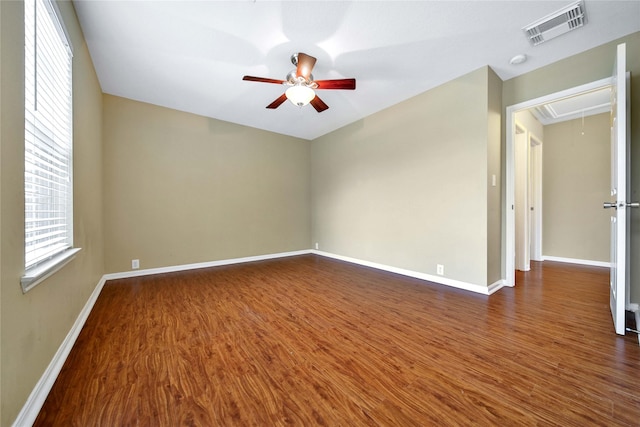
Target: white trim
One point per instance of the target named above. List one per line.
(485, 290)
(33, 276)
(496, 286)
(184, 267)
(510, 128)
(536, 149)
(577, 261)
(31, 408)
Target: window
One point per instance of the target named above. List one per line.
(48, 183)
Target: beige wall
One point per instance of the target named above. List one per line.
(494, 200)
(407, 187)
(530, 123)
(577, 176)
(33, 325)
(181, 188)
(580, 69)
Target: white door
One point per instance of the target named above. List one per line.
(535, 198)
(618, 202)
(522, 201)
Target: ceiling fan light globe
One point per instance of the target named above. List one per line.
(300, 95)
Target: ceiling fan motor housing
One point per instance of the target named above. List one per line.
(293, 79)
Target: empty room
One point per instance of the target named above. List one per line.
(319, 213)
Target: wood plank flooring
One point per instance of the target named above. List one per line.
(308, 340)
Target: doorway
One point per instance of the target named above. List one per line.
(528, 190)
(511, 177)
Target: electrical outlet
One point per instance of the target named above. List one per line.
(135, 264)
(440, 269)
(317, 246)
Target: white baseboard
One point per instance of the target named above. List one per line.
(184, 267)
(30, 410)
(577, 261)
(496, 286)
(423, 276)
(486, 290)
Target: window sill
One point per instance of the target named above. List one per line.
(37, 274)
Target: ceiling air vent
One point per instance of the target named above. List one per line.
(551, 26)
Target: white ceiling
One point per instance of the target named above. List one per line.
(191, 55)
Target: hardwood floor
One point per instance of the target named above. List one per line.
(308, 340)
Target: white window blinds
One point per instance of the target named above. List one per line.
(48, 184)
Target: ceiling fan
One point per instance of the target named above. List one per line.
(301, 84)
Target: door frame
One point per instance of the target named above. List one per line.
(509, 236)
(535, 196)
(522, 180)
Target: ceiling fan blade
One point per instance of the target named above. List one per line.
(348, 84)
(319, 104)
(262, 80)
(278, 102)
(305, 65)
